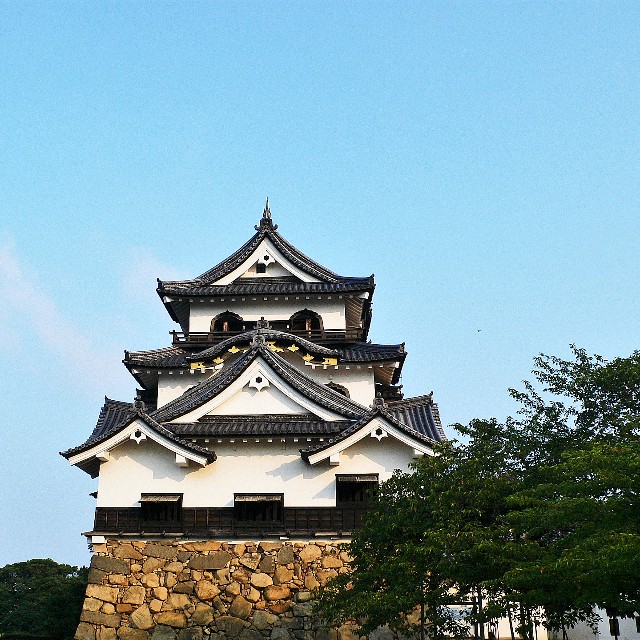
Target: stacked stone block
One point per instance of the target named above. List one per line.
(174, 590)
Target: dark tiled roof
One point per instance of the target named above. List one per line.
(367, 352)
(420, 413)
(201, 393)
(266, 286)
(267, 229)
(376, 411)
(269, 334)
(271, 425)
(167, 358)
(115, 416)
(176, 357)
(320, 393)
(204, 284)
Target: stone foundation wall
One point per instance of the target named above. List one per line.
(172, 590)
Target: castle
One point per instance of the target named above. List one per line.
(248, 453)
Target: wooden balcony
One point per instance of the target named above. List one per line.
(219, 522)
(320, 336)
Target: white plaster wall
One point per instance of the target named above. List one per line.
(250, 402)
(504, 630)
(359, 381)
(289, 400)
(274, 270)
(270, 467)
(584, 632)
(266, 247)
(255, 307)
(172, 386)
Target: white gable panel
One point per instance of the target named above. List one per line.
(139, 432)
(274, 270)
(249, 401)
(378, 429)
(247, 388)
(266, 247)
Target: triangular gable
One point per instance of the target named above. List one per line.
(138, 429)
(375, 425)
(267, 231)
(312, 396)
(270, 335)
(259, 390)
(266, 253)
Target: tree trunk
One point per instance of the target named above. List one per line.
(476, 633)
(480, 612)
(513, 633)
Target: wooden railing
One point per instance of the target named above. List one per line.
(324, 336)
(219, 521)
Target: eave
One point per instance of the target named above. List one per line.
(214, 283)
(310, 389)
(137, 427)
(369, 425)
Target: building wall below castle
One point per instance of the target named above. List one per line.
(169, 590)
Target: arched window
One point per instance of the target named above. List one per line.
(305, 321)
(338, 388)
(227, 322)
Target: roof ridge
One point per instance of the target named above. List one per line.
(241, 337)
(266, 229)
(293, 373)
(273, 417)
(176, 407)
(372, 413)
(426, 398)
(235, 259)
(209, 388)
(125, 422)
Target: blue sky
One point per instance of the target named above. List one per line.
(481, 158)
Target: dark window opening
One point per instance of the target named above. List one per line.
(261, 268)
(355, 489)
(305, 320)
(250, 507)
(338, 388)
(161, 507)
(227, 322)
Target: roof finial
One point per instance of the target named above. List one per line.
(266, 222)
(378, 401)
(262, 324)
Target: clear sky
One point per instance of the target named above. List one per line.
(481, 158)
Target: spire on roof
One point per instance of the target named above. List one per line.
(266, 222)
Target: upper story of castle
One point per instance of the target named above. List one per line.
(312, 317)
(269, 279)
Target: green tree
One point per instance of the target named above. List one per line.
(41, 598)
(579, 442)
(396, 574)
(536, 518)
(431, 542)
